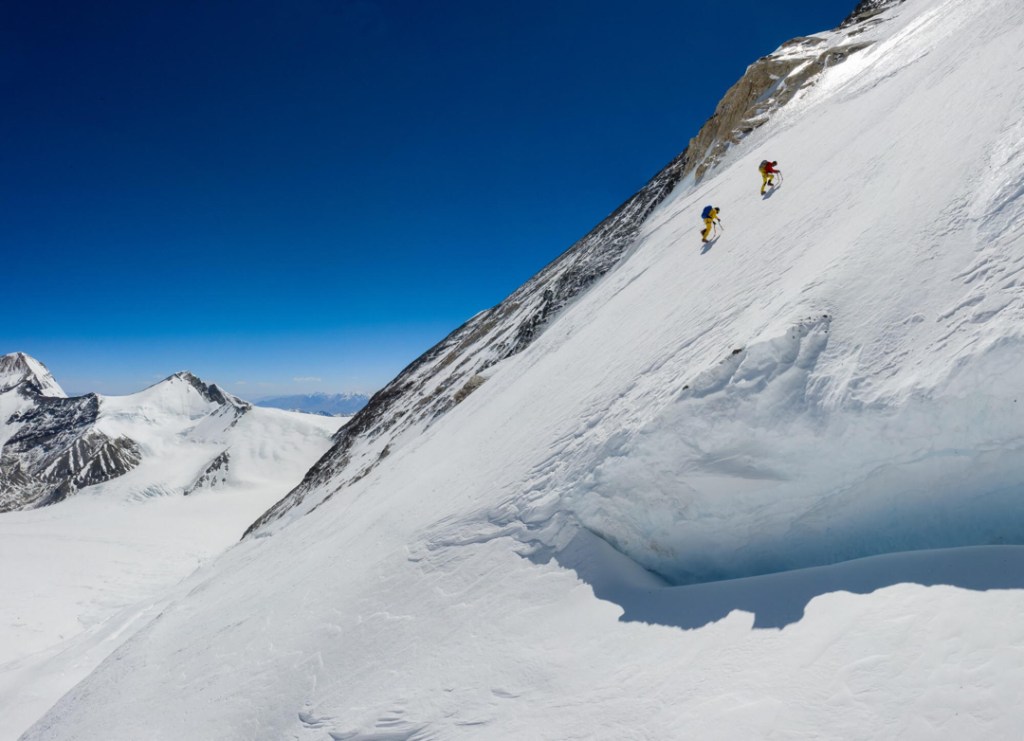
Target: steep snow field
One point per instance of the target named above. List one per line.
(81, 576)
(822, 406)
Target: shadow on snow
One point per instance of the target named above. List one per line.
(706, 246)
(778, 600)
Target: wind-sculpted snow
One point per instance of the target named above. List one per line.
(824, 405)
(749, 472)
(448, 372)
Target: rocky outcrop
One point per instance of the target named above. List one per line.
(444, 375)
(868, 9)
(772, 81)
(56, 451)
(211, 392)
(213, 475)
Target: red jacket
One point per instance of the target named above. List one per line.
(770, 168)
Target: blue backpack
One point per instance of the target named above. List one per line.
(706, 213)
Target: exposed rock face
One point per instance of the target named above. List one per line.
(214, 474)
(56, 451)
(447, 373)
(867, 9)
(772, 81)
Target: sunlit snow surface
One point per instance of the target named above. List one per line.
(78, 577)
(877, 303)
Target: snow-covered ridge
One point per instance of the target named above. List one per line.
(18, 368)
(449, 372)
(52, 446)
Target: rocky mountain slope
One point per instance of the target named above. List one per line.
(52, 446)
(49, 445)
(447, 373)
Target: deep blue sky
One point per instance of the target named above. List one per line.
(321, 189)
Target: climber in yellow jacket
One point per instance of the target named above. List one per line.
(710, 216)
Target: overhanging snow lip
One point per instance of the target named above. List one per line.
(779, 599)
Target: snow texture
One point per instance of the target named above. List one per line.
(767, 488)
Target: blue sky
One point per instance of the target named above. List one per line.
(306, 195)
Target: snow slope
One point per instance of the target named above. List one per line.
(822, 405)
(81, 576)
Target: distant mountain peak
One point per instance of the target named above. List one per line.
(21, 369)
(209, 391)
(319, 402)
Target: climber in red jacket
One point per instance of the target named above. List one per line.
(768, 173)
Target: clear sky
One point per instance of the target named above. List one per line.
(296, 195)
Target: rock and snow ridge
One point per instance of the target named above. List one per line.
(836, 377)
(49, 445)
(163, 480)
(19, 369)
(52, 446)
(448, 373)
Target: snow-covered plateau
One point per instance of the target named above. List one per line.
(769, 487)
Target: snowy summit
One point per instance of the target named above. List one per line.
(19, 369)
